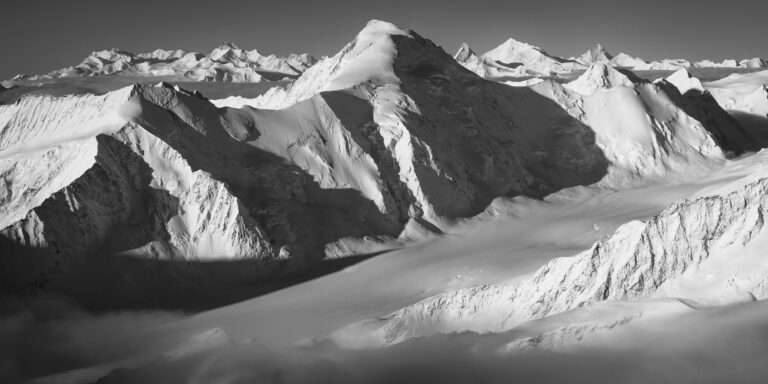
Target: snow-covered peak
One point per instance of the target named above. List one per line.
(163, 54)
(626, 61)
(377, 28)
(227, 51)
(516, 51)
(518, 59)
(597, 54)
(664, 65)
(599, 76)
(366, 59)
(512, 44)
(755, 62)
(225, 63)
(464, 53)
(727, 63)
(684, 81)
(113, 54)
(471, 61)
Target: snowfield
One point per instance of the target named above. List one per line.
(387, 214)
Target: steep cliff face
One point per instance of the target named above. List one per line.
(640, 260)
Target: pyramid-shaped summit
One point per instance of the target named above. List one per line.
(597, 54)
(601, 76)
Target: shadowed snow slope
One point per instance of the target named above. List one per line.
(745, 96)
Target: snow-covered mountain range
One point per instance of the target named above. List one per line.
(517, 59)
(579, 200)
(225, 63)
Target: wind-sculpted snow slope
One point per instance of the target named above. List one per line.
(640, 260)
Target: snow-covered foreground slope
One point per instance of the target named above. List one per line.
(729, 340)
(225, 63)
(510, 241)
(707, 250)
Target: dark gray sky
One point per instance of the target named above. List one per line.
(37, 36)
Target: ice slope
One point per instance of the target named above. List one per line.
(705, 249)
(225, 63)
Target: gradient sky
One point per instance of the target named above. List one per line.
(37, 36)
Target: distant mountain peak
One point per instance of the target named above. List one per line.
(380, 27)
(464, 53)
(597, 54)
(684, 81)
(600, 76)
(228, 45)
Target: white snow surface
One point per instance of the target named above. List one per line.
(703, 250)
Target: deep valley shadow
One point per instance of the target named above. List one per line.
(110, 282)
